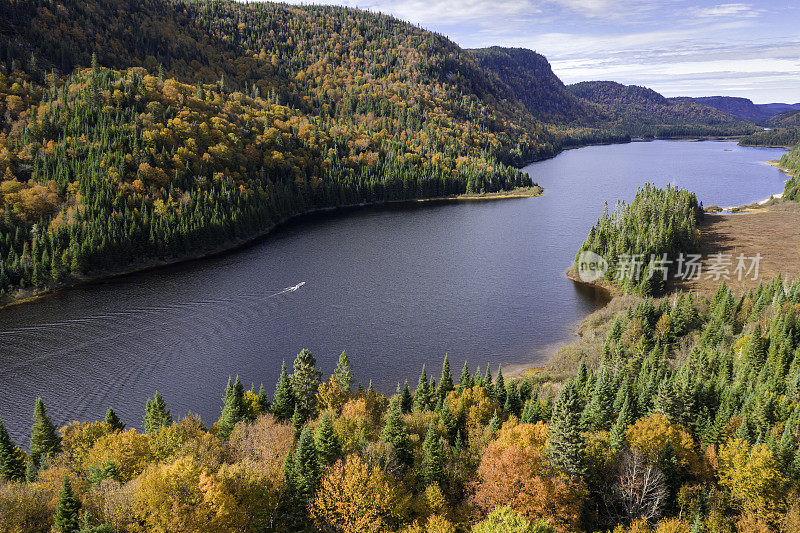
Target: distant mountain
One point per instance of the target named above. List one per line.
(745, 108)
(531, 80)
(641, 111)
(787, 118)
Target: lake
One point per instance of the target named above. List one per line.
(396, 287)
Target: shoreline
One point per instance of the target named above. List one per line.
(23, 296)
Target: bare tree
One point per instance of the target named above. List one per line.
(637, 490)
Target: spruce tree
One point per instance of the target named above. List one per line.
(233, 411)
(512, 404)
(494, 425)
(500, 387)
(283, 400)
(298, 419)
(113, 420)
(530, 413)
(67, 509)
(306, 468)
(327, 442)
(446, 383)
(432, 468)
(156, 414)
(263, 400)
(466, 380)
(406, 399)
(305, 382)
(565, 444)
(45, 441)
(394, 432)
(12, 459)
(422, 394)
(344, 371)
(600, 410)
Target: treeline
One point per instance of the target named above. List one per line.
(774, 137)
(791, 164)
(642, 112)
(689, 421)
(634, 240)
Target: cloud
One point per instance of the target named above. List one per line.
(728, 10)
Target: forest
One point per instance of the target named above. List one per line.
(139, 132)
(634, 239)
(688, 421)
(774, 137)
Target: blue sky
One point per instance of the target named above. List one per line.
(677, 47)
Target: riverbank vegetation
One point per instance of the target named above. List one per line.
(657, 225)
(776, 137)
(688, 419)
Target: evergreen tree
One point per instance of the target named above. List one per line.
(446, 383)
(298, 419)
(466, 380)
(494, 425)
(394, 432)
(67, 509)
(500, 387)
(156, 414)
(306, 468)
(600, 410)
(422, 394)
(12, 459)
(263, 400)
(530, 413)
(326, 441)
(406, 399)
(618, 431)
(512, 405)
(113, 420)
(344, 371)
(283, 400)
(305, 382)
(565, 444)
(432, 467)
(233, 411)
(45, 441)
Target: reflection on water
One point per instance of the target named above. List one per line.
(395, 287)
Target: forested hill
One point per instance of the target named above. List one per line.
(140, 131)
(531, 81)
(643, 112)
(745, 108)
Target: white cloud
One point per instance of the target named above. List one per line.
(728, 10)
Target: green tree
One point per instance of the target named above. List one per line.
(394, 432)
(45, 441)
(326, 441)
(406, 399)
(156, 414)
(113, 420)
(305, 382)
(466, 380)
(344, 371)
(422, 394)
(283, 400)
(305, 467)
(565, 445)
(233, 411)
(67, 509)
(432, 467)
(446, 383)
(12, 459)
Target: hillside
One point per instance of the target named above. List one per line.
(530, 80)
(643, 112)
(147, 131)
(745, 108)
(785, 119)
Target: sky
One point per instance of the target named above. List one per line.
(677, 47)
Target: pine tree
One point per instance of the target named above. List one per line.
(500, 387)
(446, 383)
(305, 382)
(327, 442)
(67, 510)
(406, 399)
(263, 400)
(233, 411)
(394, 432)
(344, 371)
(12, 459)
(512, 404)
(494, 425)
(283, 400)
(298, 419)
(466, 380)
(565, 444)
(619, 430)
(422, 394)
(600, 410)
(45, 441)
(432, 468)
(156, 414)
(306, 467)
(113, 420)
(530, 413)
